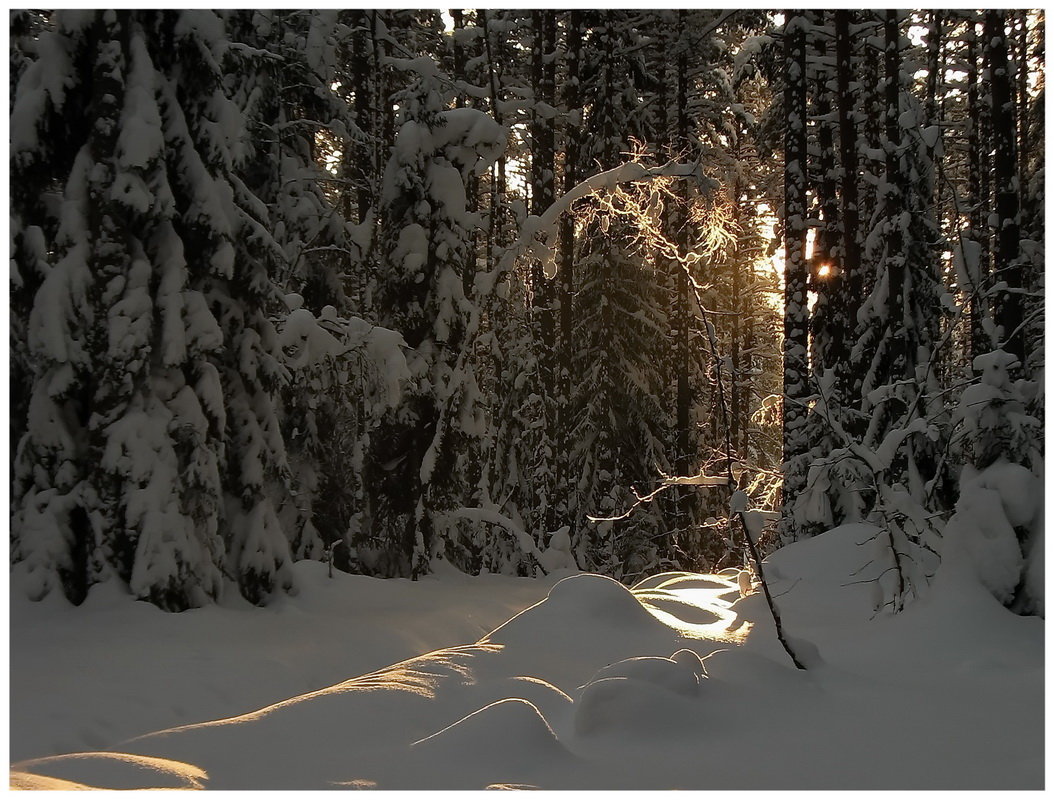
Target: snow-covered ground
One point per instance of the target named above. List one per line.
(572, 683)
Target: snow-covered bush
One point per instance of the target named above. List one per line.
(995, 422)
(344, 375)
(996, 532)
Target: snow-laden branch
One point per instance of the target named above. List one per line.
(538, 232)
(624, 173)
(667, 483)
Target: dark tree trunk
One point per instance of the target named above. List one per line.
(977, 232)
(468, 273)
(683, 347)
(849, 278)
(543, 193)
(894, 200)
(1006, 266)
(565, 267)
(796, 271)
(826, 261)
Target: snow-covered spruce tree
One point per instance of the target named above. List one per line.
(570, 98)
(516, 431)
(152, 449)
(520, 312)
(25, 28)
(288, 99)
(620, 424)
(33, 214)
(834, 279)
(899, 318)
(523, 353)
(285, 88)
(345, 373)
(544, 297)
(418, 453)
(692, 59)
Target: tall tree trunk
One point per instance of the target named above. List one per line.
(825, 267)
(796, 271)
(365, 83)
(984, 195)
(933, 61)
(850, 273)
(895, 256)
(565, 266)
(934, 80)
(682, 311)
(978, 222)
(1021, 93)
(1006, 266)
(468, 274)
(543, 193)
(683, 314)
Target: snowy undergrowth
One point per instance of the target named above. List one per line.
(678, 684)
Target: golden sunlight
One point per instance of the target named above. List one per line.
(697, 613)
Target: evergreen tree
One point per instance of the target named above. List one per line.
(619, 425)
(424, 252)
(152, 448)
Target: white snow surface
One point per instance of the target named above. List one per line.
(580, 683)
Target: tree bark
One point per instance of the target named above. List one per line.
(796, 271)
(1006, 266)
(850, 268)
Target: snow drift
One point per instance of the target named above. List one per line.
(677, 683)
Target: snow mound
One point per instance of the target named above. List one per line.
(587, 621)
(629, 708)
(660, 580)
(690, 659)
(682, 580)
(980, 538)
(680, 677)
(832, 556)
(644, 695)
(981, 541)
(490, 731)
(552, 703)
(598, 595)
(827, 579)
(107, 771)
(558, 556)
(400, 703)
(1020, 492)
(586, 599)
(510, 742)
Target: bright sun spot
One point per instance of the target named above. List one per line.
(824, 270)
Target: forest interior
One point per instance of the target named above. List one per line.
(559, 399)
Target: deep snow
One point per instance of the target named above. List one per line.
(677, 684)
